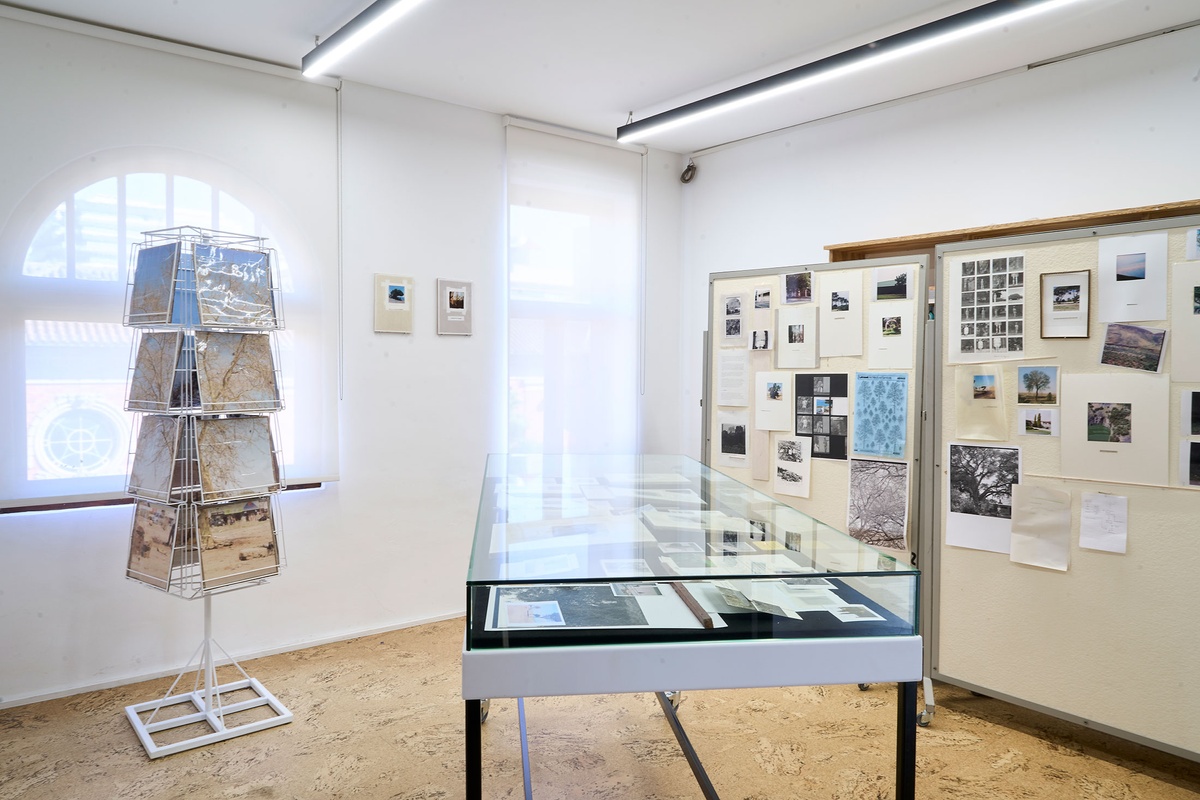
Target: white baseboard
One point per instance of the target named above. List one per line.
(23, 701)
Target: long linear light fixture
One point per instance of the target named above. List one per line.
(923, 37)
(354, 33)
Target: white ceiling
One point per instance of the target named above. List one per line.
(587, 64)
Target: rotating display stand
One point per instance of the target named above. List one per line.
(205, 464)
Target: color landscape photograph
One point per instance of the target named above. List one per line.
(1133, 347)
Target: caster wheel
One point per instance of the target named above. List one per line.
(862, 687)
(924, 718)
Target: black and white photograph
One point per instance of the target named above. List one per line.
(733, 327)
(1192, 474)
(733, 305)
(1134, 347)
(733, 439)
(821, 399)
(760, 340)
(795, 334)
(877, 513)
(680, 547)
(981, 479)
(762, 297)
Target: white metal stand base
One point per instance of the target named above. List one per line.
(207, 701)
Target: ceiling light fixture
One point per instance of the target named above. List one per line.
(369, 22)
(923, 37)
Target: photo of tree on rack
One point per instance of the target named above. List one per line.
(981, 479)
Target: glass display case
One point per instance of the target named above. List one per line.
(607, 549)
(609, 574)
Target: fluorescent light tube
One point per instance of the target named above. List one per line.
(967, 23)
(350, 36)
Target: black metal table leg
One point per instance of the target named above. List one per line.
(685, 744)
(474, 750)
(906, 740)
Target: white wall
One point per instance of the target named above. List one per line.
(1111, 130)
(388, 544)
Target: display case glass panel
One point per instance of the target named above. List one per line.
(625, 549)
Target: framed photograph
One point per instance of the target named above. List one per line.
(453, 308)
(393, 304)
(1065, 302)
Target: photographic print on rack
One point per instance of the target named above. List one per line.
(235, 372)
(234, 287)
(1134, 347)
(153, 289)
(1037, 385)
(454, 308)
(237, 542)
(151, 544)
(153, 467)
(797, 287)
(393, 303)
(154, 370)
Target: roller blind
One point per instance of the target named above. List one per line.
(574, 272)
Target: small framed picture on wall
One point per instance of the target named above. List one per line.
(453, 307)
(1065, 304)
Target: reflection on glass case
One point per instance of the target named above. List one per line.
(626, 549)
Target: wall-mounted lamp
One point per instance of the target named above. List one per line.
(923, 37)
(369, 22)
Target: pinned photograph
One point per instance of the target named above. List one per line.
(762, 297)
(1038, 421)
(877, 512)
(1189, 406)
(1131, 267)
(1134, 347)
(795, 334)
(733, 327)
(237, 542)
(981, 480)
(774, 390)
(1037, 385)
(985, 387)
(1189, 469)
(733, 438)
(733, 305)
(891, 283)
(760, 340)
(839, 301)
(797, 287)
(891, 326)
(1110, 422)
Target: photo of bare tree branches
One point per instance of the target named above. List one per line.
(877, 513)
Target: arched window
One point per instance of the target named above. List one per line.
(65, 352)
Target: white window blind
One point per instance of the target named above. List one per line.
(574, 304)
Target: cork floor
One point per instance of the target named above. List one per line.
(381, 717)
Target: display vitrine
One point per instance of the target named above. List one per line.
(604, 574)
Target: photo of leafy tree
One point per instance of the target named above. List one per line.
(1038, 385)
(981, 479)
(1110, 422)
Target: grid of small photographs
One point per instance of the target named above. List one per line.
(992, 316)
(823, 412)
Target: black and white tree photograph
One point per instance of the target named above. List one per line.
(981, 479)
(877, 513)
